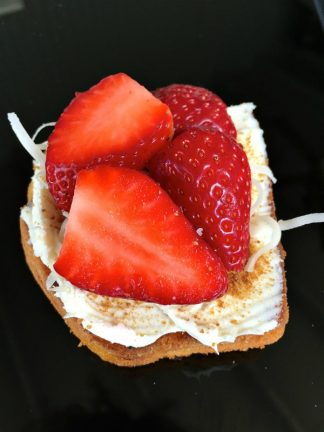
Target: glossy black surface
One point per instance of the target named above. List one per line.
(267, 52)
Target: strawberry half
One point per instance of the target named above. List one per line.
(126, 238)
(193, 106)
(116, 122)
(208, 175)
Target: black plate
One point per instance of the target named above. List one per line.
(270, 53)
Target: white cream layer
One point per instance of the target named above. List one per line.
(255, 310)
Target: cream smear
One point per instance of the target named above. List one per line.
(252, 304)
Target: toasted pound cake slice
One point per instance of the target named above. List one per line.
(253, 313)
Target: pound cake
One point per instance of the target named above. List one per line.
(210, 294)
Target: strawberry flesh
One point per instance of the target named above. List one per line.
(208, 175)
(116, 122)
(126, 238)
(193, 106)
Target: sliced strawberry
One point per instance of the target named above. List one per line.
(193, 106)
(116, 122)
(208, 175)
(126, 238)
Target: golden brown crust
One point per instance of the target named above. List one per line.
(168, 346)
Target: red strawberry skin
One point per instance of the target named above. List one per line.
(193, 106)
(208, 175)
(126, 238)
(116, 122)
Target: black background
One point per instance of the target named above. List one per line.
(268, 52)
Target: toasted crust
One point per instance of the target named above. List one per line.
(168, 346)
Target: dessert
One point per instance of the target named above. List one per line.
(143, 324)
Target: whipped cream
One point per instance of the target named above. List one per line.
(252, 304)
